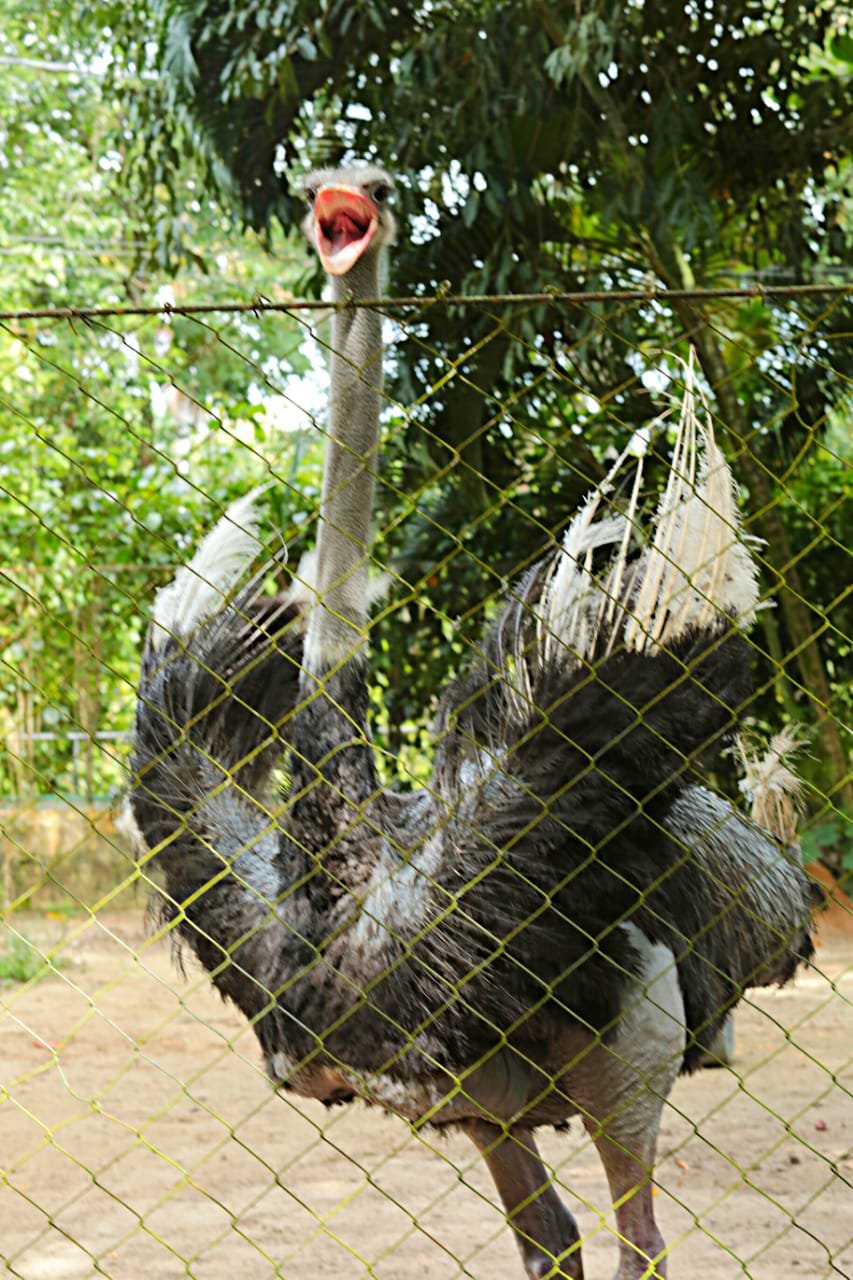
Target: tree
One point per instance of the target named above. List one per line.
(116, 437)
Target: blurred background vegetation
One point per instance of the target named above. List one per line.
(148, 155)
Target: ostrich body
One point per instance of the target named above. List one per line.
(559, 922)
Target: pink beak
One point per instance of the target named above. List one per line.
(345, 222)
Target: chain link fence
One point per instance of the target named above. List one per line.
(139, 1133)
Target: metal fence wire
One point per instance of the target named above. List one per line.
(483, 771)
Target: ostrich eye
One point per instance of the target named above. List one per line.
(310, 194)
(381, 193)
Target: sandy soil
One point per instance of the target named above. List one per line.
(140, 1139)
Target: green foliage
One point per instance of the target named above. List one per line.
(829, 841)
(20, 961)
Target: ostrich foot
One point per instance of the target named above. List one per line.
(560, 1258)
(546, 1233)
(642, 1265)
(642, 1251)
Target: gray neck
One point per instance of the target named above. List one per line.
(338, 627)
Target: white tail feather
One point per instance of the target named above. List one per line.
(303, 586)
(616, 578)
(199, 588)
(571, 597)
(697, 567)
(772, 786)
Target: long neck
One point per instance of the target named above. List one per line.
(333, 773)
(336, 629)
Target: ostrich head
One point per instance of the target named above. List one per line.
(348, 216)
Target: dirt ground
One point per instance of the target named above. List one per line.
(140, 1141)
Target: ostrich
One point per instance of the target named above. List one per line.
(555, 926)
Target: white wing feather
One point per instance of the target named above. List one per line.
(200, 588)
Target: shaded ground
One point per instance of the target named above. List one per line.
(140, 1139)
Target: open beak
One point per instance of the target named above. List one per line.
(345, 222)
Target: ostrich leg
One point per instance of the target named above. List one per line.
(629, 1171)
(546, 1233)
(620, 1089)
